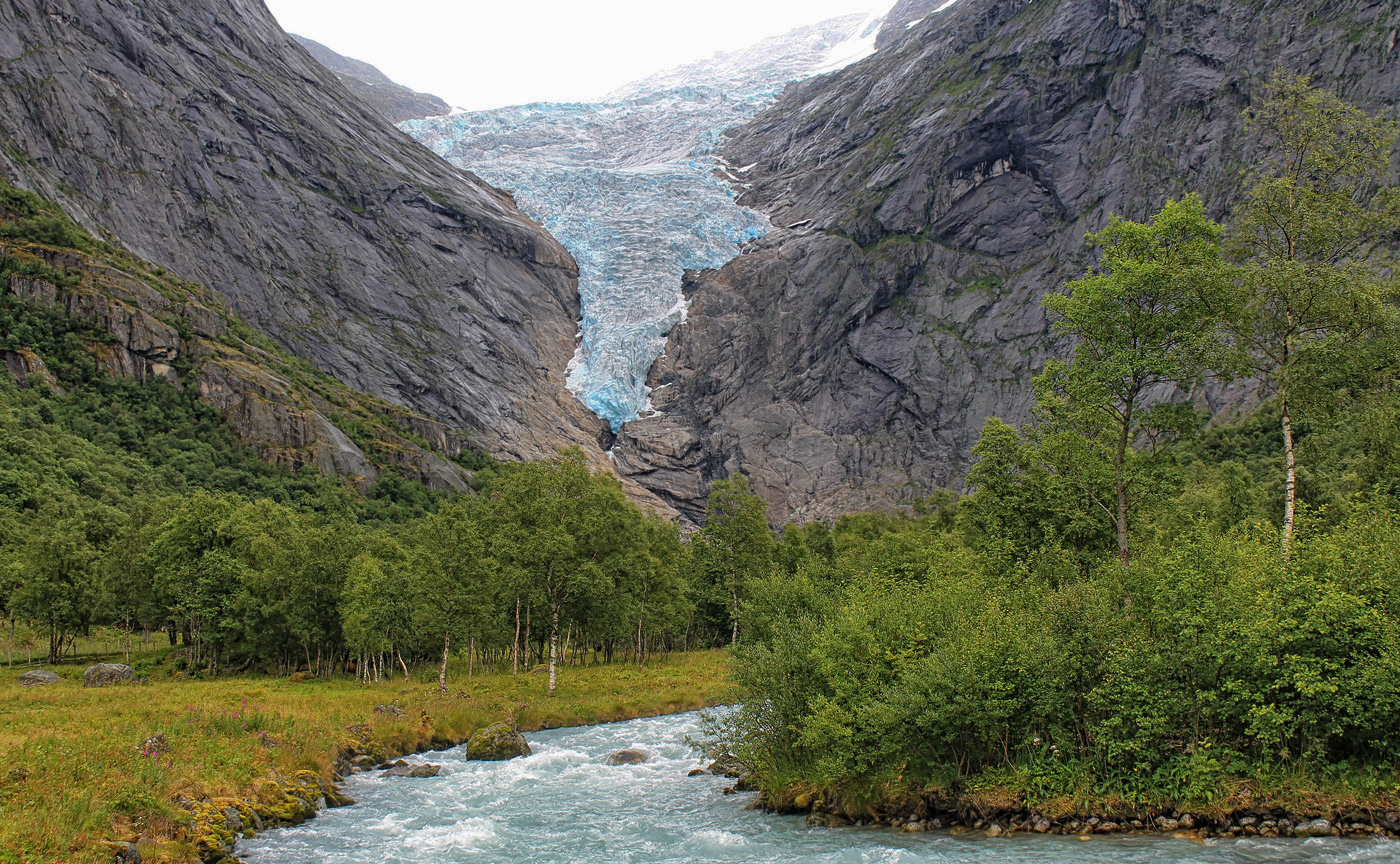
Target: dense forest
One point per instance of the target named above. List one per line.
(133, 505)
(1133, 604)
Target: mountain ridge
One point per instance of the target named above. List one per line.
(396, 102)
(206, 140)
(926, 198)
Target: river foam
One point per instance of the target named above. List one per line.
(565, 804)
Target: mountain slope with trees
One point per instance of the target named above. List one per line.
(1128, 619)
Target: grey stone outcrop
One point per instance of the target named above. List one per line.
(925, 199)
(102, 674)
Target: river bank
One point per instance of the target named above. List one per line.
(570, 802)
(1301, 809)
(158, 765)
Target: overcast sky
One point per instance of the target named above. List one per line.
(489, 53)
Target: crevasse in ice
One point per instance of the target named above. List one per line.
(634, 187)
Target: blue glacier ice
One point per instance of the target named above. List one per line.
(634, 187)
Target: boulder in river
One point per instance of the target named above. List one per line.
(37, 678)
(627, 757)
(726, 765)
(102, 674)
(497, 742)
(413, 771)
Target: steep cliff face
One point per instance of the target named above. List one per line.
(927, 198)
(200, 136)
(903, 16)
(142, 322)
(393, 100)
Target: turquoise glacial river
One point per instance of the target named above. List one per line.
(563, 804)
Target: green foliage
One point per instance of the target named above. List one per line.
(735, 549)
(26, 216)
(1314, 244)
(1143, 322)
(1152, 681)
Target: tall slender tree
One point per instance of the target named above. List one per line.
(567, 530)
(1314, 240)
(454, 573)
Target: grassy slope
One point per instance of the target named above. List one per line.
(73, 776)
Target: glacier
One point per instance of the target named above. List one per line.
(634, 186)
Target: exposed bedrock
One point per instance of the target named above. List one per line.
(202, 137)
(931, 195)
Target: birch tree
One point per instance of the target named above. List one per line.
(1314, 240)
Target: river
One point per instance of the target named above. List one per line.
(564, 804)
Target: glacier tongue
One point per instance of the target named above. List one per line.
(631, 187)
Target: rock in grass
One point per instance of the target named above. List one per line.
(154, 745)
(233, 820)
(37, 678)
(102, 674)
(627, 757)
(413, 771)
(497, 742)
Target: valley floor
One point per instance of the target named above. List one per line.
(84, 773)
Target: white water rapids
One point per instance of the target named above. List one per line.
(564, 804)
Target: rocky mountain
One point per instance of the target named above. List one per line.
(633, 187)
(142, 322)
(396, 102)
(926, 199)
(201, 137)
(905, 15)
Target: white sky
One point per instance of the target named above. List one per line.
(490, 53)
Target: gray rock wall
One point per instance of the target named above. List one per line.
(201, 137)
(396, 102)
(929, 197)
